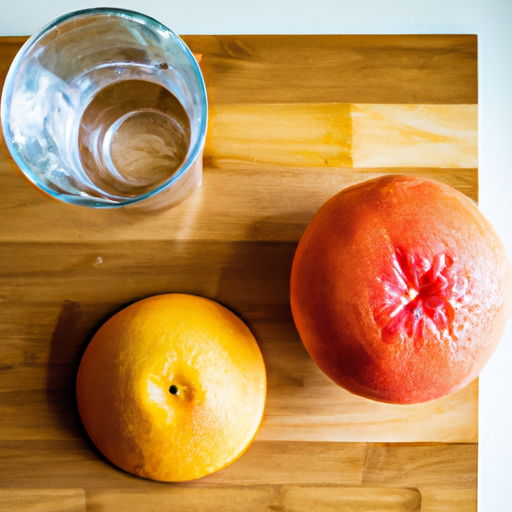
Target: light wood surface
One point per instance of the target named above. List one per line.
(263, 498)
(293, 119)
(43, 500)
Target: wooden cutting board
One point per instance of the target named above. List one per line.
(293, 119)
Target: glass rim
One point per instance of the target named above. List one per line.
(93, 201)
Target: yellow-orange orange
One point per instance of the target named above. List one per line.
(172, 388)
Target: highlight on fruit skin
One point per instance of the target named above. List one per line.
(400, 289)
(172, 388)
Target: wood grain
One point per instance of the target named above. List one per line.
(286, 498)
(263, 498)
(409, 463)
(293, 120)
(43, 500)
(339, 68)
(345, 135)
(444, 474)
(238, 201)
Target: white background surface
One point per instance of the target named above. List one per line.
(490, 19)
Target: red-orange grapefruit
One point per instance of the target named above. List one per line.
(400, 289)
(172, 388)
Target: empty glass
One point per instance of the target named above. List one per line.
(107, 108)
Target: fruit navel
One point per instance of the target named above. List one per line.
(418, 296)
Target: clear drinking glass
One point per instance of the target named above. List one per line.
(107, 108)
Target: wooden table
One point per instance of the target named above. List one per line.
(292, 121)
